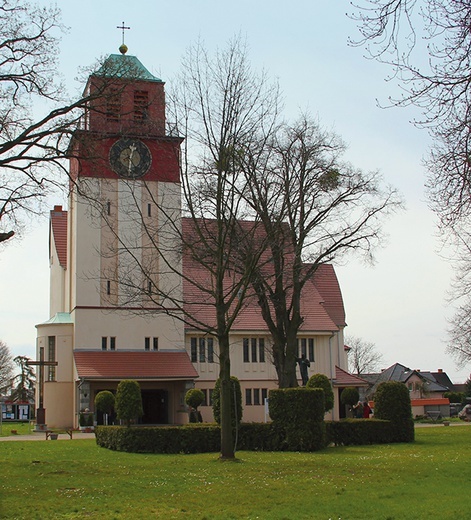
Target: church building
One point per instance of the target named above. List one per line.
(125, 160)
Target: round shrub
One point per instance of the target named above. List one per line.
(392, 403)
(322, 381)
(194, 398)
(350, 396)
(128, 401)
(104, 401)
(236, 405)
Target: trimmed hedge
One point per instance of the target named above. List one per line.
(298, 418)
(205, 438)
(356, 432)
(195, 438)
(322, 381)
(392, 403)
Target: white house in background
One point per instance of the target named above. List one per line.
(94, 333)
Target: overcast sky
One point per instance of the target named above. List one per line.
(400, 303)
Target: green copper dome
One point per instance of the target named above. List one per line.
(126, 67)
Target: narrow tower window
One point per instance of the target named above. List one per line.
(51, 376)
(141, 103)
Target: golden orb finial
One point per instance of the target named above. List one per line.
(123, 49)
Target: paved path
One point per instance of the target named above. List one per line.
(41, 436)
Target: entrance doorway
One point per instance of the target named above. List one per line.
(155, 407)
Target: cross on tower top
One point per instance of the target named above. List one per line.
(123, 48)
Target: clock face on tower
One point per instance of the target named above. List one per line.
(130, 158)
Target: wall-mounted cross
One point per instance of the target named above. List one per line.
(41, 412)
(123, 28)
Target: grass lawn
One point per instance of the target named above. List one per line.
(77, 479)
(22, 428)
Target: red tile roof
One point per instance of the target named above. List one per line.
(343, 378)
(134, 365)
(58, 230)
(328, 286)
(321, 304)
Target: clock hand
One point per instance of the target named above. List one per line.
(133, 149)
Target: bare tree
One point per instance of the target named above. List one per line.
(6, 368)
(400, 33)
(314, 209)
(33, 148)
(220, 104)
(459, 340)
(363, 356)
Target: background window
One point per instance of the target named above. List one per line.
(202, 350)
(104, 343)
(248, 396)
(256, 396)
(193, 351)
(246, 350)
(147, 343)
(210, 350)
(112, 343)
(264, 395)
(253, 344)
(155, 343)
(311, 350)
(261, 350)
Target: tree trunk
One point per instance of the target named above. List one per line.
(227, 445)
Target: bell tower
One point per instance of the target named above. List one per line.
(124, 210)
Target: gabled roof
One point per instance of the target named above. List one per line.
(58, 234)
(443, 379)
(117, 365)
(402, 374)
(343, 379)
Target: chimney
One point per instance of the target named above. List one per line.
(440, 370)
(57, 208)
